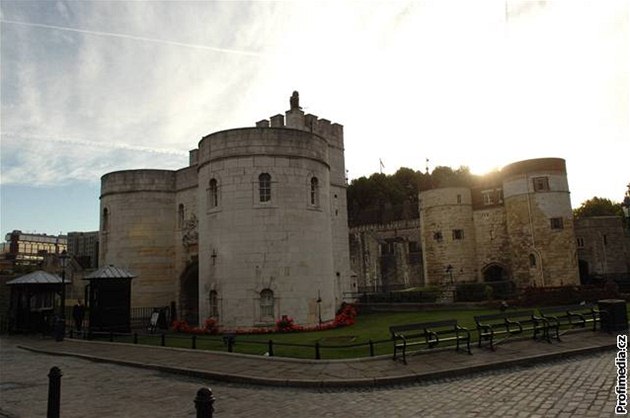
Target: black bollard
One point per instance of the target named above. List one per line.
(270, 348)
(194, 342)
(54, 392)
(371, 348)
(204, 403)
(317, 354)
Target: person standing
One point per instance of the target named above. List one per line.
(78, 313)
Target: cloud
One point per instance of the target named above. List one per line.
(136, 84)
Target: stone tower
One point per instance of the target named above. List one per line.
(253, 229)
(273, 235)
(448, 235)
(540, 223)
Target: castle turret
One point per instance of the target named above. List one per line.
(137, 227)
(448, 235)
(540, 223)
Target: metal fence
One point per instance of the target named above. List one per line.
(235, 343)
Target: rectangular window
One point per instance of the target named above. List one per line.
(556, 223)
(387, 248)
(458, 234)
(488, 197)
(541, 184)
(459, 199)
(414, 252)
(580, 242)
(605, 240)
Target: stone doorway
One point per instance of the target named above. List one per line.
(495, 273)
(189, 294)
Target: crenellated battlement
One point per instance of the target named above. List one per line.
(295, 118)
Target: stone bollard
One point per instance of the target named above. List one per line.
(204, 403)
(54, 392)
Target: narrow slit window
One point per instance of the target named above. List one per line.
(264, 187)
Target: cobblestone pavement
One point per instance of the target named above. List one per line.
(581, 386)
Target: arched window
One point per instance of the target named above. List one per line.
(180, 215)
(105, 219)
(314, 191)
(214, 304)
(213, 194)
(532, 260)
(266, 305)
(264, 187)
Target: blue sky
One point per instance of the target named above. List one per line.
(93, 87)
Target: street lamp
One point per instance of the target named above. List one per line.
(625, 206)
(319, 307)
(449, 270)
(60, 330)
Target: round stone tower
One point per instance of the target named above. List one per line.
(448, 235)
(266, 239)
(540, 223)
(137, 226)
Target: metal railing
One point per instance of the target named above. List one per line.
(235, 343)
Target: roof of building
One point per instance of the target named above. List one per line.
(38, 277)
(110, 272)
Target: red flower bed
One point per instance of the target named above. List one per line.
(346, 315)
(209, 327)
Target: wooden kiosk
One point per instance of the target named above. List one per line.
(109, 299)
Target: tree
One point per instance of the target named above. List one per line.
(598, 206)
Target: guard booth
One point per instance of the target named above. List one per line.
(109, 300)
(35, 299)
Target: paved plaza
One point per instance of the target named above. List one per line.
(581, 385)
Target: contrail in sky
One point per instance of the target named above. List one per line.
(95, 144)
(136, 38)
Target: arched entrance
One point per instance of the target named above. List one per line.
(189, 294)
(585, 278)
(495, 273)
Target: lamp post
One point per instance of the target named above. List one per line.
(319, 307)
(60, 327)
(625, 206)
(449, 270)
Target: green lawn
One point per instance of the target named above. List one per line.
(333, 343)
(374, 327)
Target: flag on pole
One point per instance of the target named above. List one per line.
(381, 165)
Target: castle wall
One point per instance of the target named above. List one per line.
(540, 223)
(137, 231)
(386, 257)
(284, 244)
(603, 245)
(448, 235)
(492, 241)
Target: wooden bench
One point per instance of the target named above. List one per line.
(508, 324)
(571, 316)
(429, 334)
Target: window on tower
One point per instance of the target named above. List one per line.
(541, 184)
(264, 187)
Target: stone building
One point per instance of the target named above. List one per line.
(254, 228)
(517, 225)
(387, 256)
(603, 248)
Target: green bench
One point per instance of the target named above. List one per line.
(429, 334)
(572, 316)
(507, 324)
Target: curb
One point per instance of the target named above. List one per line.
(409, 378)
